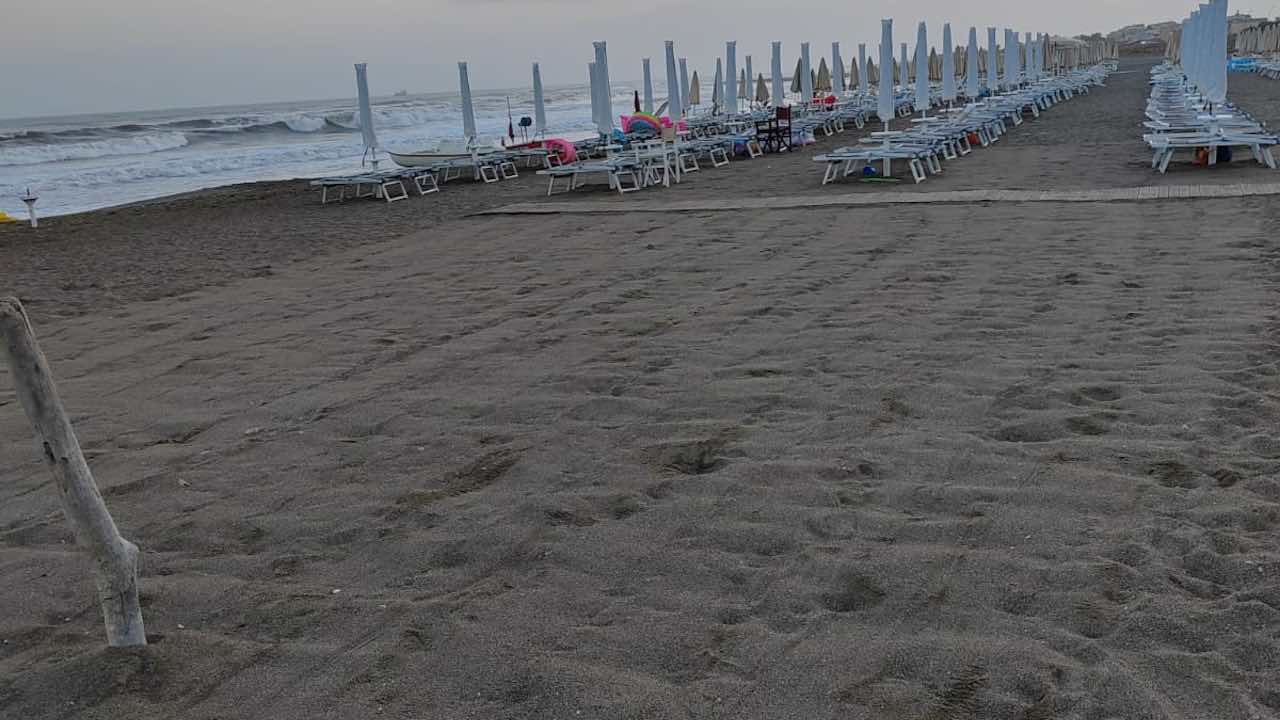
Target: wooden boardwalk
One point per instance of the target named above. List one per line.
(1133, 194)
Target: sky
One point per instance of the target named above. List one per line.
(79, 56)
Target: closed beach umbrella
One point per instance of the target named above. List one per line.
(904, 69)
(687, 99)
(606, 88)
(751, 75)
(717, 88)
(539, 103)
(1010, 59)
(873, 74)
(648, 88)
(597, 107)
(775, 74)
(806, 77)
(762, 90)
(366, 112)
(675, 100)
(468, 110)
(864, 80)
(797, 85)
(922, 69)
(948, 66)
(731, 76)
(971, 86)
(935, 66)
(885, 105)
(993, 82)
(695, 91)
(837, 69)
(823, 83)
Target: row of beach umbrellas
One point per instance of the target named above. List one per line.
(1027, 58)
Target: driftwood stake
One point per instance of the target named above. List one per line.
(115, 559)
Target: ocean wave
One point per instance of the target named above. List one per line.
(140, 144)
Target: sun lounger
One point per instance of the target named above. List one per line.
(385, 184)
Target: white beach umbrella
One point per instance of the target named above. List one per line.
(675, 99)
(596, 112)
(539, 103)
(1217, 72)
(922, 69)
(993, 61)
(904, 69)
(970, 65)
(806, 75)
(468, 110)
(731, 76)
(606, 88)
(775, 71)
(1012, 62)
(837, 69)
(948, 66)
(885, 106)
(717, 89)
(686, 100)
(864, 86)
(648, 88)
(366, 115)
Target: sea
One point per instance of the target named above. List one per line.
(84, 162)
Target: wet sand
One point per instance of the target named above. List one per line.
(940, 461)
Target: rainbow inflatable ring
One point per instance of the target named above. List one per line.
(645, 121)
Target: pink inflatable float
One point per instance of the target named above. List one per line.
(562, 148)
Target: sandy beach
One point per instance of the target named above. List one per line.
(991, 460)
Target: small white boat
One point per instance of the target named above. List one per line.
(444, 152)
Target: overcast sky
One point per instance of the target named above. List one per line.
(72, 56)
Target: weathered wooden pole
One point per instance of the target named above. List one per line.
(115, 559)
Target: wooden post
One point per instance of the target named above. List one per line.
(115, 559)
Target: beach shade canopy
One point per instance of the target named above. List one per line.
(730, 76)
(922, 69)
(864, 75)
(948, 66)
(993, 62)
(762, 90)
(837, 69)
(775, 74)
(885, 105)
(695, 90)
(686, 98)
(806, 77)
(468, 109)
(539, 103)
(717, 89)
(675, 101)
(823, 82)
(971, 86)
(366, 114)
(606, 88)
(648, 87)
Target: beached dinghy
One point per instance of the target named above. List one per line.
(427, 157)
